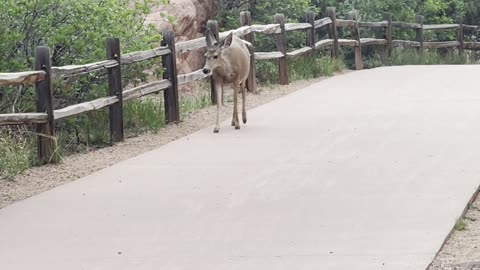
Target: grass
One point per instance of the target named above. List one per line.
(412, 57)
(143, 115)
(191, 104)
(460, 225)
(299, 69)
(83, 133)
(17, 148)
(313, 67)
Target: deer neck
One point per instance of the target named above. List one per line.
(225, 71)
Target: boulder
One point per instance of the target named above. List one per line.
(191, 16)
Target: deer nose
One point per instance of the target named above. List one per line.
(206, 70)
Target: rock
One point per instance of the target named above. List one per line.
(191, 17)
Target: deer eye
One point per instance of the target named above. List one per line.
(215, 56)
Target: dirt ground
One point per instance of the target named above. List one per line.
(461, 252)
(462, 249)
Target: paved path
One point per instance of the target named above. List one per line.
(363, 171)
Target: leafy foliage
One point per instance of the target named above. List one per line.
(75, 30)
(262, 11)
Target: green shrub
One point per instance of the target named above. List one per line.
(267, 72)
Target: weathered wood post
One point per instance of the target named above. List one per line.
(246, 20)
(388, 33)
(310, 42)
(460, 35)
(333, 31)
(353, 15)
(46, 142)
(212, 25)
(310, 34)
(282, 47)
(169, 63)
(419, 33)
(112, 46)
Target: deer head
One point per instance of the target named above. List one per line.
(214, 52)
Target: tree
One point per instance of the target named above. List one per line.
(75, 30)
(472, 12)
(262, 10)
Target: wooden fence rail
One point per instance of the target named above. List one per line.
(43, 73)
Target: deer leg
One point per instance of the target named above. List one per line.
(218, 92)
(244, 111)
(235, 120)
(223, 96)
(234, 107)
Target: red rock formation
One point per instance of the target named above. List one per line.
(190, 18)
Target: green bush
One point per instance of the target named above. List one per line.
(267, 72)
(75, 31)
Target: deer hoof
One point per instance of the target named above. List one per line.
(216, 130)
(237, 127)
(244, 120)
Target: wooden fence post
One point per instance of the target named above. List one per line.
(460, 35)
(282, 47)
(353, 15)
(333, 31)
(419, 33)
(310, 42)
(246, 20)
(212, 25)
(169, 63)
(310, 37)
(112, 46)
(388, 33)
(46, 142)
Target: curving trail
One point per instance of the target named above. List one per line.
(367, 170)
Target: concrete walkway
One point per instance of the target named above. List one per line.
(367, 170)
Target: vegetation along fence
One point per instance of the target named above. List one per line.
(43, 73)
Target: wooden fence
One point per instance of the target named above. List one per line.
(43, 73)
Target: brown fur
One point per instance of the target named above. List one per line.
(229, 63)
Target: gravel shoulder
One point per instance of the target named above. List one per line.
(462, 249)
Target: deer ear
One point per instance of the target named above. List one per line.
(228, 41)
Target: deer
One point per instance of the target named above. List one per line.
(228, 62)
